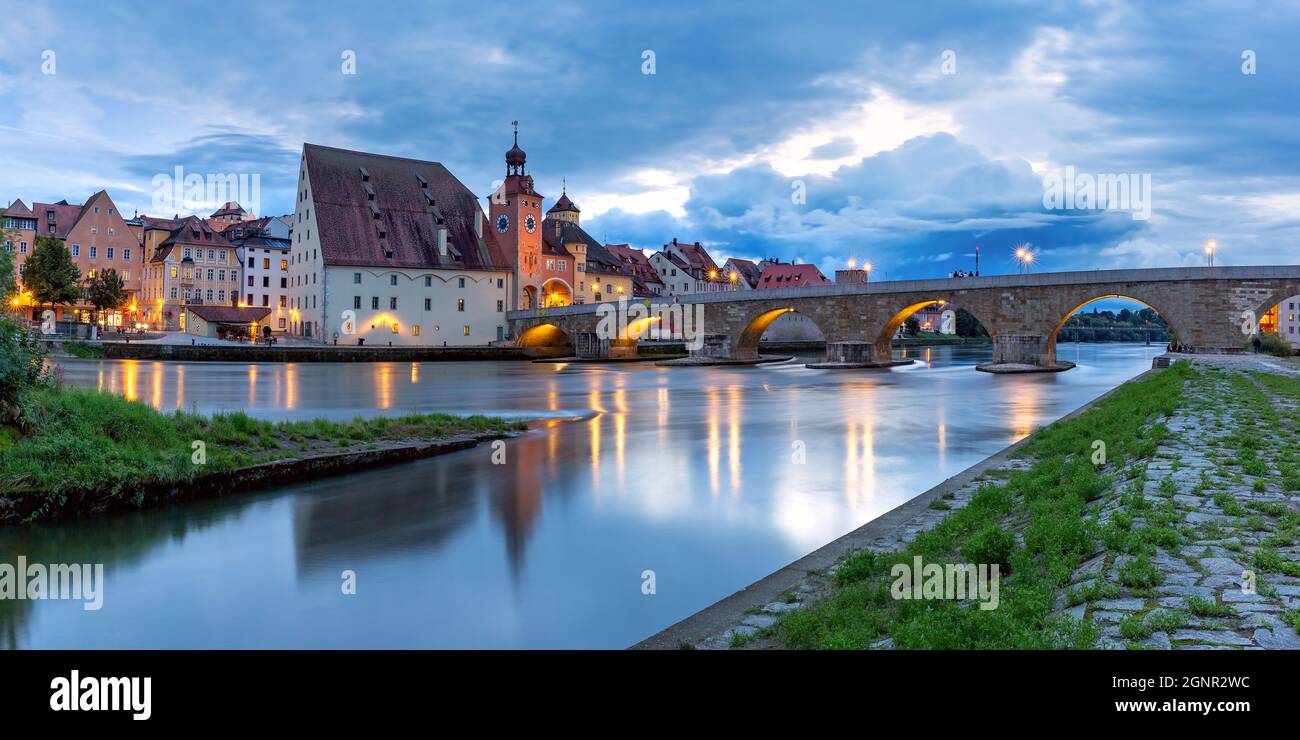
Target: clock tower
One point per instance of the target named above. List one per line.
(516, 214)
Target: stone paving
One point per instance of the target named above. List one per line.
(1225, 572)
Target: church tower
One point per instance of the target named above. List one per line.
(516, 213)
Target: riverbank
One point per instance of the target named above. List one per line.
(75, 452)
(1182, 534)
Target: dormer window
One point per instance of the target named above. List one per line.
(424, 184)
(365, 174)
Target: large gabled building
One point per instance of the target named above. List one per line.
(392, 250)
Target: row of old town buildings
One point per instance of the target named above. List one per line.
(382, 250)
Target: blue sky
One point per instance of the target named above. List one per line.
(901, 164)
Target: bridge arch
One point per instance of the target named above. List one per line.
(529, 297)
(1056, 329)
(759, 322)
(544, 335)
(885, 337)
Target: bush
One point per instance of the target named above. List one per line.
(1274, 344)
(22, 364)
(992, 545)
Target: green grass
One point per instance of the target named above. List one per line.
(77, 442)
(1203, 607)
(1049, 498)
(83, 350)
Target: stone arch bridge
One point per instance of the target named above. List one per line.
(1209, 310)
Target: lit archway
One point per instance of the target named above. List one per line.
(556, 292)
(544, 335)
(753, 332)
(885, 338)
(529, 297)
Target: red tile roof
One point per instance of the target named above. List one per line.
(18, 209)
(697, 258)
(65, 217)
(409, 213)
(791, 276)
(637, 263)
(749, 271)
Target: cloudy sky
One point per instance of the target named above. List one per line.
(903, 134)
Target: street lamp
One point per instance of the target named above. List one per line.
(866, 268)
(1024, 257)
(1210, 246)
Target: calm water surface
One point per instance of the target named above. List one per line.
(689, 472)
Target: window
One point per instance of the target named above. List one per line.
(415, 329)
(374, 302)
(187, 252)
(92, 273)
(392, 303)
(221, 296)
(250, 281)
(173, 294)
(428, 304)
(460, 304)
(284, 282)
(173, 274)
(392, 280)
(108, 253)
(461, 282)
(356, 301)
(356, 278)
(209, 294)
(94, 251)
(501, 306)
(282, 300)
(266, 282)
(76, 250)
(266, 263)
(428, 281)
(252, 263)
(501, 282)
(394, 327)
(249, 302)
(282, 323)
(266, 299)
(550, 264)
(467, 331)
(284, 264)
(126, 253)
(210, 273)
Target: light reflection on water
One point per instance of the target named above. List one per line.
(710, 477)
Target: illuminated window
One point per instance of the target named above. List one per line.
(415, 329)
(395, 327)
(467, 331)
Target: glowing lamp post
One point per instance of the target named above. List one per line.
(1210, 246)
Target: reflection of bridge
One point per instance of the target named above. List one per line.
(1208, 309)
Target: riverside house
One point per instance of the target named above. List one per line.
(390, 250)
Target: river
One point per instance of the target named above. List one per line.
(708, 478)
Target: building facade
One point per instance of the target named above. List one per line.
(191, 263)
(687, 268)
(264, 262)
(390, 250)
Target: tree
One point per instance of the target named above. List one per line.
(8, 284)
(968, 325)
(50, 274)
(913, 325)
(106, 291)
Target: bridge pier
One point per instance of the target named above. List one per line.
(589, 346)
(1024, 353)
(844, 355)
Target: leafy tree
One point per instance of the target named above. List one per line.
(8, 284)
(106, 291)
(968, 325)
(913, 326)
(50, 274)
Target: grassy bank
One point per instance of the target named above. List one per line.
(1030, 521)
(74, 445)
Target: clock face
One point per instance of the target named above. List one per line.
(530, 223)
(503, 223)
